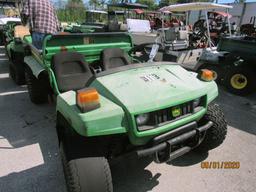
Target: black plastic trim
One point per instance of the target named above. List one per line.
(173, 141)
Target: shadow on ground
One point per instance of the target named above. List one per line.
(239, 111)
(29, 159)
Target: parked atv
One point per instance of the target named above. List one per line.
(107, 106)
(15, 50)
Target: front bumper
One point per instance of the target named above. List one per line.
(162, 145)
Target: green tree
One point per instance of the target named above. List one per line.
(74, 11)
(150, 3)
(163, 3)
(94, 3)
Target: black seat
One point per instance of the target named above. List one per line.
(114, 57)
(71, 71)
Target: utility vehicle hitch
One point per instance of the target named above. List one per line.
(163, 151)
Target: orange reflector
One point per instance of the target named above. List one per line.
(206, 75)
(87, 99)
(63, 33)
(63, 48)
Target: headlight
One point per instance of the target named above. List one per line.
(196, 102)
(142, 119)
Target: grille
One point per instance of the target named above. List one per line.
(164, 116)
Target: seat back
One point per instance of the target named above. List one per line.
(176, 38)
(114, 57)
(20, 31)
(71, 71)
(170, 34)
(183, 35)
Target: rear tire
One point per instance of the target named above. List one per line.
(12, 72)
(18, 69)
(17, 75)
(36, 90)
(215, 135)
(240, 81)
(91, 174)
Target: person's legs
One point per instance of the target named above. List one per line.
(37, 39)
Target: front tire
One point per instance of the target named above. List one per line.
(36, 90)
(214, 136)
(90, 174)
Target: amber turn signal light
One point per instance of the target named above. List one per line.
(87, 99)
(206, 75)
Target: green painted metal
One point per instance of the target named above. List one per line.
(109, 115)
(128, 91)
(27, 39)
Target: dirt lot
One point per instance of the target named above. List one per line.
(30, 162)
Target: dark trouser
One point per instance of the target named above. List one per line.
(37, 39)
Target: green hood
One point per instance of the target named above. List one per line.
(149, 88)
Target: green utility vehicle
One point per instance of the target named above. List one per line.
(15, 50)
(108, 107)
(94, 22)
(236, 66)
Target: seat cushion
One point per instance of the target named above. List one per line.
(71, 71)
(114, 57)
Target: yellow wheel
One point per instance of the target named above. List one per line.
(239, 81)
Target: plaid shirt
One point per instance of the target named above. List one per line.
(42, 16)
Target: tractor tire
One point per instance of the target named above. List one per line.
(240, 81)
(215, 135)
(37, 93)
(90, 174)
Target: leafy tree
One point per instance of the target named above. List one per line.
(74, 11)
(150, 3)
(114, 1)
(94, 3)
(163, 3)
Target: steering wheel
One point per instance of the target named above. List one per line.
(144, 49)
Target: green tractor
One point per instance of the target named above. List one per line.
(108, 106)
(15, 49)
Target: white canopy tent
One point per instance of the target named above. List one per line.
(199, 6)
(194, 7)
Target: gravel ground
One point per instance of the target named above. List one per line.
(30, 161)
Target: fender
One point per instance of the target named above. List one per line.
(34, 65)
